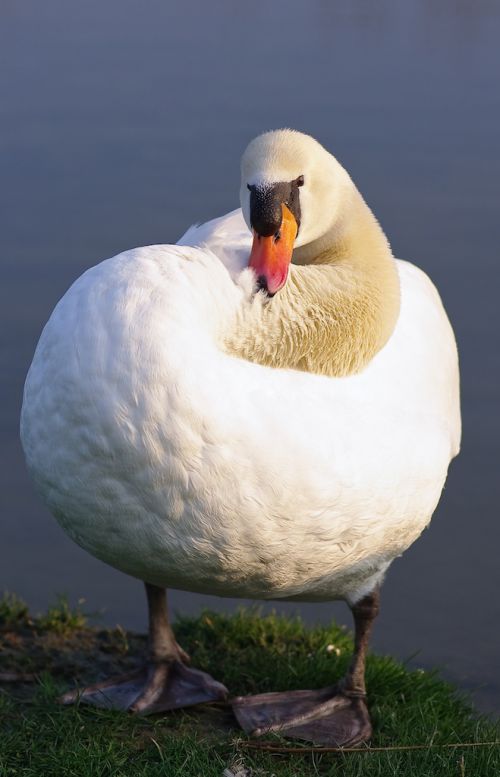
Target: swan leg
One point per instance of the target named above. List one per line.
(164, 683)
(336, 716)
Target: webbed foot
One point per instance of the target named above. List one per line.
(328, 716)
(158, 687)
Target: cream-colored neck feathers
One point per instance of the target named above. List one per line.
(338, 307)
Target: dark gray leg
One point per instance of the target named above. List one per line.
(162, 644)
(336, 716)
(364, 613)
(164, 683)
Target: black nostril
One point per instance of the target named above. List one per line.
(277, 236)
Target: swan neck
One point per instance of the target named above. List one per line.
(354, 236)
(339, 306)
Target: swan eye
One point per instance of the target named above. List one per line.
(250, 187)
(299, 181)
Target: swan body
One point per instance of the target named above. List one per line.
(172, 459)
(267, 409)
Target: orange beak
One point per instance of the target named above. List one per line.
(271, 256)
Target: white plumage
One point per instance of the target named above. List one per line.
(168, 434)
(173, 461)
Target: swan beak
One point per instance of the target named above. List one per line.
(271, 256)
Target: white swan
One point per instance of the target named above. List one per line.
(173, 424)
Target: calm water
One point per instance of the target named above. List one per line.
(121, 123)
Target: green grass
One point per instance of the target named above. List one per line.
(248, 653)
(12, 609)
(61, 618)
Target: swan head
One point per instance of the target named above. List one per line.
(291, 195)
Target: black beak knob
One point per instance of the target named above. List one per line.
(265, 209)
